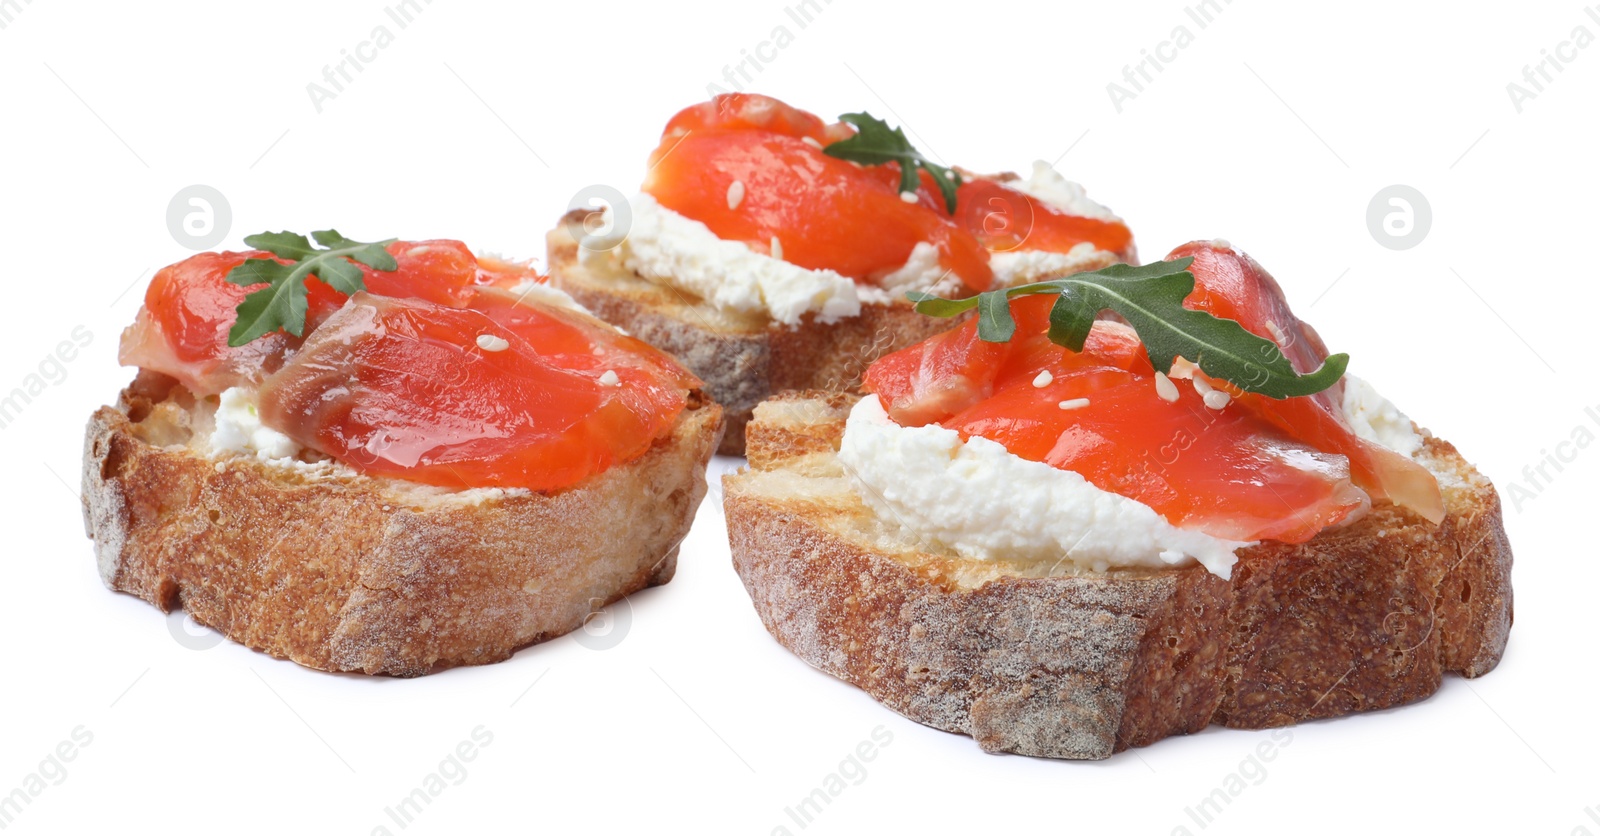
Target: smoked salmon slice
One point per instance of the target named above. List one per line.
(182, 329)
(1004, 218)
(752, 169)
(1230, 284)
(409, 388)
(1099, 413)
(442, 372)
(826, 213)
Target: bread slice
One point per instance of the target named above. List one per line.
(1069, 664)
(743, 359)
(343, 572)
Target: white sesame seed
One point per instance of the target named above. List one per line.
(489, 342)
(1277, 333)
(1181, 369)
(1201, 386)
(1165, 388)
(811, 141)
(1075, 403)
(735, 194)
(909, 197)
(1043, 379)
(1221, 244)
(1217, 399)
(776, 248)
(610, 379)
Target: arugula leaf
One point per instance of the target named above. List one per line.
(1150, 298)
(875, 144)
(282, 303)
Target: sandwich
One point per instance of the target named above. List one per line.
(771, 251)
(388, 458)
(1116, 507)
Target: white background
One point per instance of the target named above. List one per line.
(1274, 129)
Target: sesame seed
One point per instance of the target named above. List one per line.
(1043, 379)
(1217, 399)
(776, 248)
(735, 194)
(489, 342)
(811, 141)
(909, 197)
(1075, 403)
(1181, 369)
(1201, 386)
(1221, 244)
(610, 379)
(1166, 388)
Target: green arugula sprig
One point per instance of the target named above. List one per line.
(1150, 298)
(875, 144)
(282, 303)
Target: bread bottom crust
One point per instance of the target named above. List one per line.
(352, 573)
(1364, 617)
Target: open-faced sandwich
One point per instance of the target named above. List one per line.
(1066, 534)
(771, 251)
(388, 458)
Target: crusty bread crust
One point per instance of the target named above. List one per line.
(1069, 664)
(345, 572)
(742, 359)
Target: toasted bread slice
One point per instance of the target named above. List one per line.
(343, 572)
(743, 359)
(1061, 663)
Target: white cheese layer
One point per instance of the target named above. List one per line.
(980, 500)
(1016, 267)
(662, 245)
(1047, 184)
(920, 272)
(984, 502)
(1374, 418)
(544, 294)
(1022, 266)
(239, 428)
